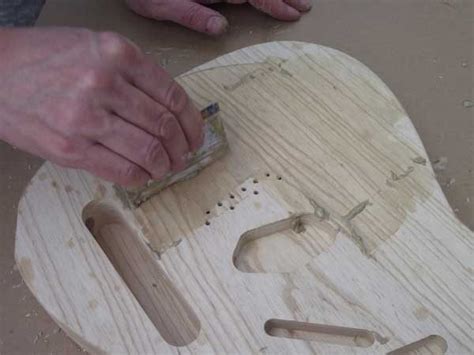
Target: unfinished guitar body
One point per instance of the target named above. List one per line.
(322, 231)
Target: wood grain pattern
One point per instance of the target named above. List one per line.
(325, 211)
(134, 261)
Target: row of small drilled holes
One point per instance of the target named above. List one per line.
(255, 181)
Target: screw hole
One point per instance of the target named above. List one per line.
(208, 223)
(279, 178)
(231, 196)
(267, 174)
(244, 189)
(255, 192)
(232, 207)
(208, 212)
(255, 181)
(219, 204)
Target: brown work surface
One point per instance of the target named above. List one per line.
(423, 50)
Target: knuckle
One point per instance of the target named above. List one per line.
(94, 78)
(65, 149)
(114, 45)
(71, 120)
(154, 153)
(76, 118)
(91, 122)
(176, 98)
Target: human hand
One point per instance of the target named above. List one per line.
(93, 101)
(194, 15)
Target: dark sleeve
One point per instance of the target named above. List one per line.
(19, 12)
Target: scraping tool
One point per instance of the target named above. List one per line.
(215, 145)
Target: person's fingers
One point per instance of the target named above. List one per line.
(110, 166)
(95, 158)
(277, 9)
(191, 15)
(135, 145)
(300, 5)
(156, 82)
(81, 153)
(153, 84)
(211, 2)
(141, 110)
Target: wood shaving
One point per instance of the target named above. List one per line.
(37, 337)
(440, 164)
(396, 177)
(18, 285)
(419, 160)
(450, 182)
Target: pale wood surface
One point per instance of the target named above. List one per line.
(350, 230)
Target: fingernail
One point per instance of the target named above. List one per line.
(305, 5)
(293, 14)
(216, 25)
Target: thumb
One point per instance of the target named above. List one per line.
(191, 15)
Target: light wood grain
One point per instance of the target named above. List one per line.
(325, 211)
(134, 261)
